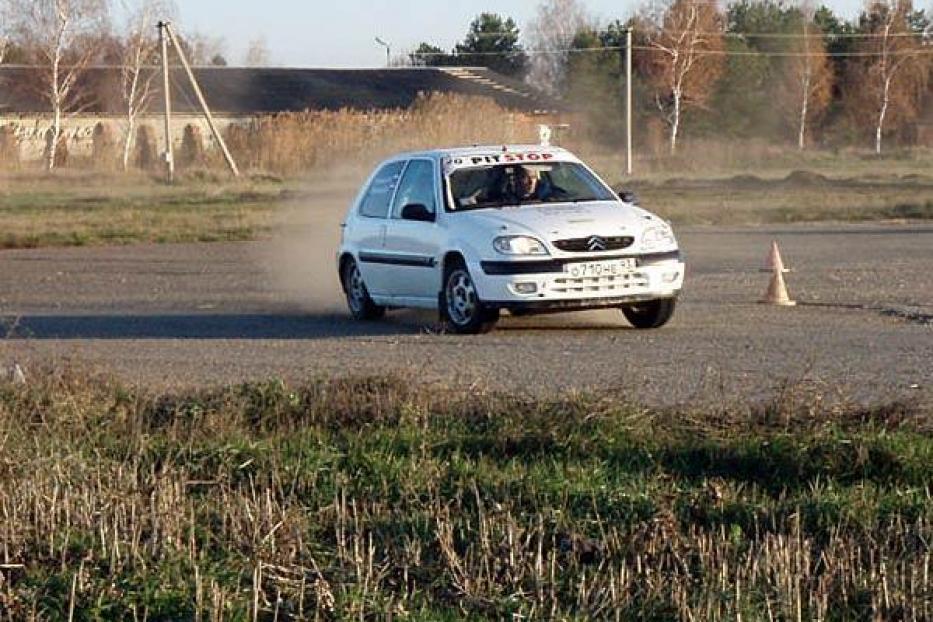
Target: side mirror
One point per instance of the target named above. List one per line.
(628, 197)
(417, 211)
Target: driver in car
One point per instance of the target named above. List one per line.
(522, 185)
(527, 183)
(530, 187)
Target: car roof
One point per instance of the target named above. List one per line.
(474, 150)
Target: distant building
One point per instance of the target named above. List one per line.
(237, 94)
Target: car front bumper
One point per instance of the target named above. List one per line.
(542, 285)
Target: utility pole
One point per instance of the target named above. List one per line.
(207, 111)
(388, 48)
(167, 154)
(628, 100)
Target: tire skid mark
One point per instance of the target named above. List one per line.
(907, 315)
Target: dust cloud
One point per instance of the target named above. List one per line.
(300, 261)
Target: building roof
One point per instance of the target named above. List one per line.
(239, 90)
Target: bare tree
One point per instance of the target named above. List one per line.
(140, 48)
(4, 29)
(685, 58)
(894, 71)
(257, 54)
(551, 33)
(203, 49)
(61, 33)
(806, 88)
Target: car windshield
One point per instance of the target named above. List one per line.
(523, 184)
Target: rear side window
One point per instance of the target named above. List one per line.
(417, 186)
(376, 202)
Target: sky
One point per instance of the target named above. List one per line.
(341, 33)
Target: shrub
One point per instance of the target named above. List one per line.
(192, 147)
(61, 153)
(9, 147)
(147, 153)
(103, 146)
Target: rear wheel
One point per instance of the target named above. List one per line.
(650, 314)
(463, 309)
(359, 302)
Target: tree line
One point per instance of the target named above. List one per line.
(752, 68)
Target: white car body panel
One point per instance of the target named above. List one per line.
(402, 261)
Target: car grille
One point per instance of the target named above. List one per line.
(617, 284)
(595, 244)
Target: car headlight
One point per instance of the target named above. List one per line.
(519, 245)
(658, 237)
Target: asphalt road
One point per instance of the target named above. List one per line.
(200, 314)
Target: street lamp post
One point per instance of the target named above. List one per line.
(388, 51)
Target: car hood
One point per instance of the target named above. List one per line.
(556, 221)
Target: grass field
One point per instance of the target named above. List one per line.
(378, 497)
(74, 208)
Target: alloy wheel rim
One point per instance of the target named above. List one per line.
(462, 302)
(355, 288)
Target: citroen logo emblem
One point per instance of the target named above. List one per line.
(596, 243)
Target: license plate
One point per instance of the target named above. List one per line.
(613, 267)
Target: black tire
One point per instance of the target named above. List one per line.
(462, 308)
(651, 313)
(359, 302)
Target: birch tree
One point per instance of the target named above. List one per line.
(60, 32)
(4, 28)
(806, 88)
(894, 73)
(686, 59)
(556, 24)
(257, 53)
(139, 52)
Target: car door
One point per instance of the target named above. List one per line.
(413, 241)
(370, 224)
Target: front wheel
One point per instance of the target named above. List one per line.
(361, 305)
(650, 314)
(464, 311)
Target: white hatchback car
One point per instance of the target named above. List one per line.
(529, 229)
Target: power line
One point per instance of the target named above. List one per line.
(648, 48)
(761, 35)
(796, 54)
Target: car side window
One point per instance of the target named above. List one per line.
(417, 186)
(376, 202)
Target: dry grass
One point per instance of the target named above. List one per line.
(800, 196)
(72, 208)
(324, 156)
(300, 142)
(376, 497)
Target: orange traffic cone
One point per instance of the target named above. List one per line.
(777, 289)
(774, 263)
(777, 292)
